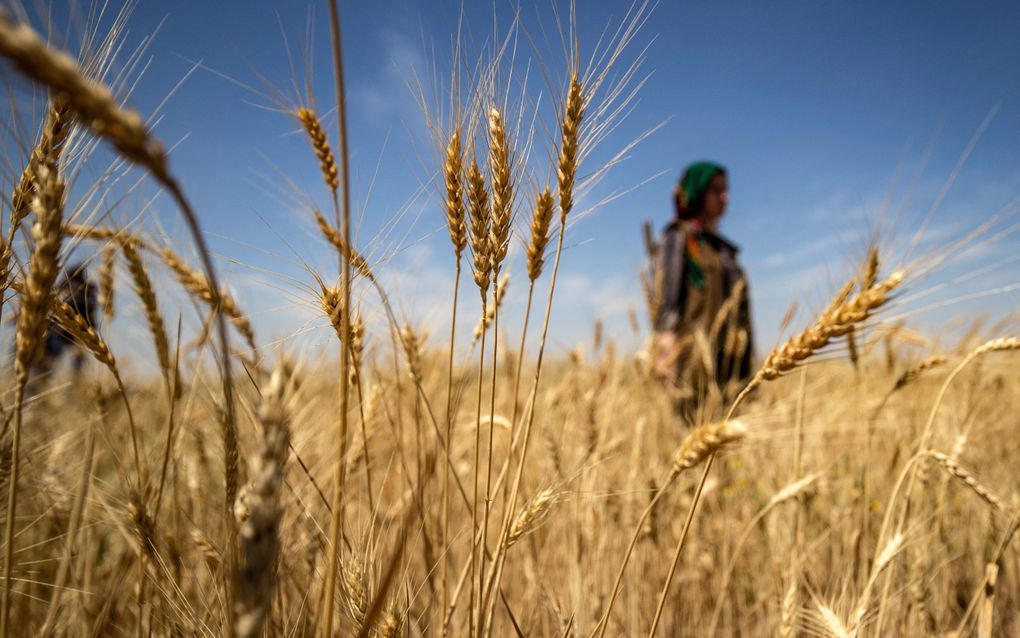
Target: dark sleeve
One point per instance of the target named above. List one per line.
(744, 317)
(669, 273)
(87, 304)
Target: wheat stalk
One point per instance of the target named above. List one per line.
(882, 561)
(31, 326)
(491, 308)
(791, 491)
(481, 251)
(259, 531)
(566, 174)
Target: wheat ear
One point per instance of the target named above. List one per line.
(953, 467)
(74, 324)
(108, 262)
(705, 441)
(42, 271)
(356, 590)
(413, 347)
(916, 370)
(197, 284)
(453, 166)
(839, 319)
(147, 293)
(91, 101)
(332, 303)
(478, 210)
(567, 164)
(502, 186)
(501, 167)
(830, 623)
(534, 514)
(540, 219)
(47, 150)
(320, 144)
(357, 261)
(390, 621)
(5, 264)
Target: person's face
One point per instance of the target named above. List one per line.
(717, 196)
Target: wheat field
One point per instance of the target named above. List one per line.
(407, 484)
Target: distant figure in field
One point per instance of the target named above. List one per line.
(701, 311)
(78, 292)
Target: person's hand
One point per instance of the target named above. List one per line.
(665, 357)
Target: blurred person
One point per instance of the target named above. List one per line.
(702, 315)
(78, 292)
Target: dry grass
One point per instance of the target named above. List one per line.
(551, 496)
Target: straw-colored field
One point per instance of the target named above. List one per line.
(859, 484)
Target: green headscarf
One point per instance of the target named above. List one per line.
(690, 190)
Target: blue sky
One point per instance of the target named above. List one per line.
(819, 109)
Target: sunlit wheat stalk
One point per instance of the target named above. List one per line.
(481, 249)
(93, 104)
(567, 166)
(30, 330)
(343, 214)
(260, 531)
(453, 173)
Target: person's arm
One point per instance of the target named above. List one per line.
(669, 279)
